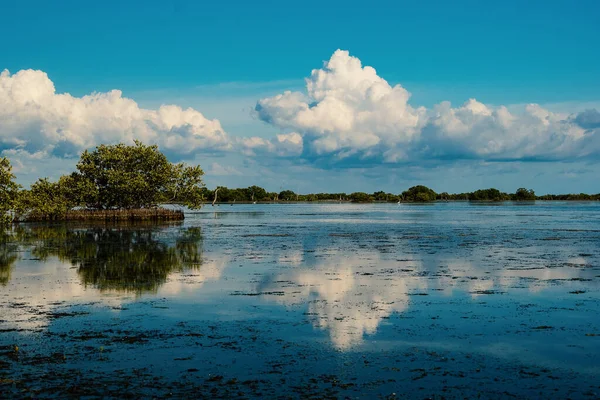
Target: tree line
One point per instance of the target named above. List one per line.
(415, 194)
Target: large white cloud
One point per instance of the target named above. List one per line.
(34, 118)
(349, 111)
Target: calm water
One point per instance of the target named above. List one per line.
(360, 301)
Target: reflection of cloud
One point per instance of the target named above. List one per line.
(349, 295)
(531, 272)
(192, 280)
(345, 296)
(39, 289)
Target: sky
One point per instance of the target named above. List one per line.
(312, 96)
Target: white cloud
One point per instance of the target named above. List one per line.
(34, 118)
(347, 106)
(347, 116)
(349, 111)
(220, 170)
(284, 145)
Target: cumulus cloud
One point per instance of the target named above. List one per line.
(347, 115)
(349, 112)
(284, 145)
(34, 118)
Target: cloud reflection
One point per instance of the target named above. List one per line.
(350, 295)
(344, 297)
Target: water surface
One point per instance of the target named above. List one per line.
(337, 300)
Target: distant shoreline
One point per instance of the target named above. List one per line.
(394, 202)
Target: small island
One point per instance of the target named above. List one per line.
(112, 183)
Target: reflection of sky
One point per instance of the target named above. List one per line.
(348, 277)
(190, 281)
(349, 295)
(39, 289)
(342, 299)
(36, 289)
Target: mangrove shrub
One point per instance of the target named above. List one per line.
(419, 194)
(138, 176)
(8, 191)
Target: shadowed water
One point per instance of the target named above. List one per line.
(452, 299)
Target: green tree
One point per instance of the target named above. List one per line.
(256, 193)
(419, 194)
(361, 197)
(523, 194)
(490, 194)
(45, 200)
(8, 191)
(287, 195)
(138, 176)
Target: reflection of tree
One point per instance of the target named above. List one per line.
(123, 258)
(8, 256)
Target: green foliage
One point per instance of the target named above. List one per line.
(77, 190)
(256, 193)
(115, 177)
(361, 197)
(8, 191)
(419, 194)
(287, 195)
(383, 196)
(523, 194)
(488, 195)
(570, 196)
(138, 176)
(185, 186)
(44, 201)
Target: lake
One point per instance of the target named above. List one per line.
(449, 300)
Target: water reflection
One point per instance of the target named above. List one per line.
(8, 256)
(122, 258)
(350, 295)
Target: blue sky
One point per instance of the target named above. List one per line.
(224, 58)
